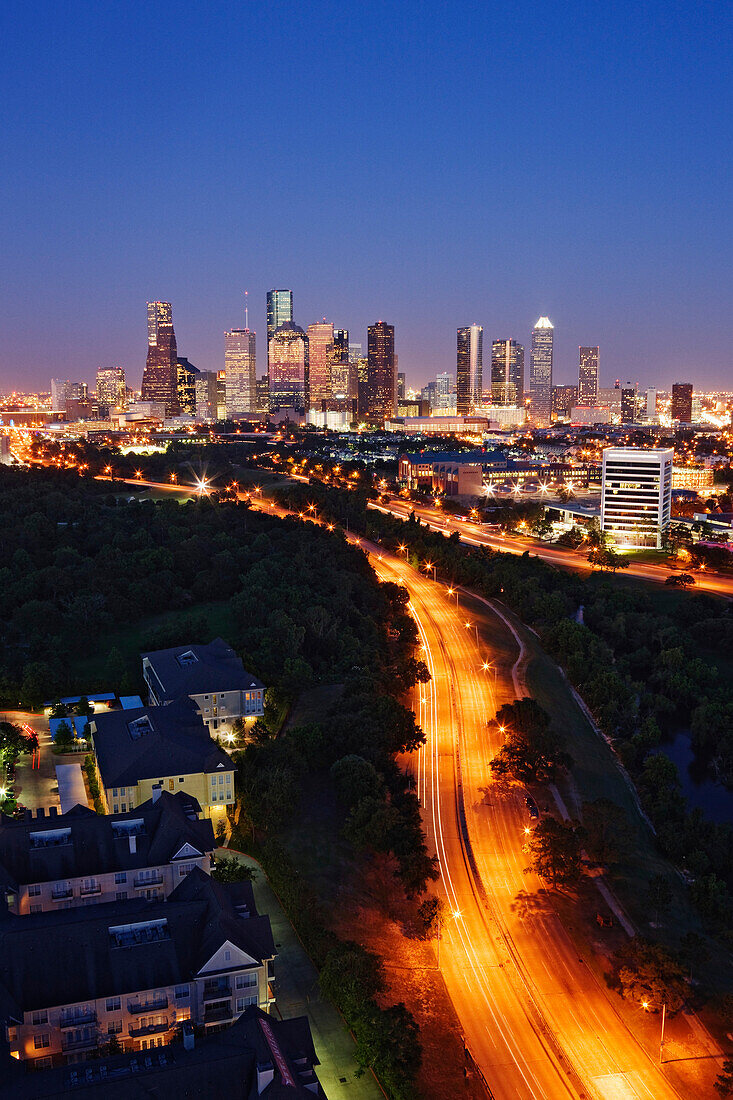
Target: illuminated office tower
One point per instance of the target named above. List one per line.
(507, 372)
(240, 373)
(381, 380)
(469, 370)
(401, 385)
(279, 312)
(110, 389)
(628, 402)
(636, 495)
(288, 368)
(443, 399)
(342, 372)
(205, 388)
(186, 375)
(160, 377)
(682, 402)
(588, 376)
(320, 353)
(540, 372)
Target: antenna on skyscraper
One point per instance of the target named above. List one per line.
(246, 310)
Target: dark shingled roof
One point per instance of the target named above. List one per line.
(175, 741)
(215, 667)
(95, 847)
(52, 959)
(223, 1064)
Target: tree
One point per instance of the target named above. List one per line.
(231, 870)
(38, 683)
(650, 974)
(694, 951)
(555, 848)
(608, 831)
(58, 710)
(388, 1041)
(431, 913)
(531, 752)
(65, 736)
(355, 778)
(350, 977)
(724, 1082)
(659, 895)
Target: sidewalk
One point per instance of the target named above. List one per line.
(296, 988)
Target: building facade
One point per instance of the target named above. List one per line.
(564, 399)
(111, 389)
(205, 390)
(381, 376)
(279, 312)
(186, 375)
(636, 495)
(588, 362)
(135, 971)
(61, 861)
(682, 402)
(240, 372)
(507, 373)
(289, 368)
(320, 359)
(469, 369)
(343, 377)
(629, 402)
(160, 377)
(540, 372)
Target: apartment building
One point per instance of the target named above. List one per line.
(212, 676)
(133, 971)
(142, 751)
(60, 861)
(258, 1056)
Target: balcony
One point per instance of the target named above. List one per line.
(89, 1017)
(136, 1007)
(218, 992)
(62, 895)
(90, 891)
(216, 1015)
(154, 880)
(87, 1042)
(150, 1029)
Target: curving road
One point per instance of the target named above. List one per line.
(477, 535)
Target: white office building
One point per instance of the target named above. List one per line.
(636, 496)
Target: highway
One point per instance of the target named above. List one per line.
(537, 1022)
(477, 535)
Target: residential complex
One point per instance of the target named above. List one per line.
(141, 751)
(212, 676)
(136, 970)
(55, 862)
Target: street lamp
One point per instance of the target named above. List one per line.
(453, 592)
(403, 550)
(475, 627)
(455, 914)
(429, 565)
(646, 1005)
(488, 665)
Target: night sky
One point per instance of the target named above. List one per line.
(428, 164)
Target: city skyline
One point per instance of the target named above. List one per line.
(609, 227)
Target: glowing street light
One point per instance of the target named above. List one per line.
(646, 1005)
(475, 627)
(487, 666)
(403, 550)
(453, 592)
(428, 566)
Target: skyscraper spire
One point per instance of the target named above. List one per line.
(246, 311)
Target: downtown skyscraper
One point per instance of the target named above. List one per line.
(288, 368)
(111, 389)
(381, 378)
(540, 372)
(279, 310)
(320, 358)
(588, 376)
(160, 377)
(240, 371)
(507, 372)
(469, 369)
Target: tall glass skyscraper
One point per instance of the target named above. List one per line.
(507, 373)
(279, 310)
(110, 389)
(381, 380)
(469, 369)
(160, 377)
(588, 376)
(320, 354)
(341, 372)
(240, 371)
(289, 368)
(540, 372)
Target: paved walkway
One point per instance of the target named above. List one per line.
(296, 986)
(36, 787)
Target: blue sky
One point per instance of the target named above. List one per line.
(429, 164)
